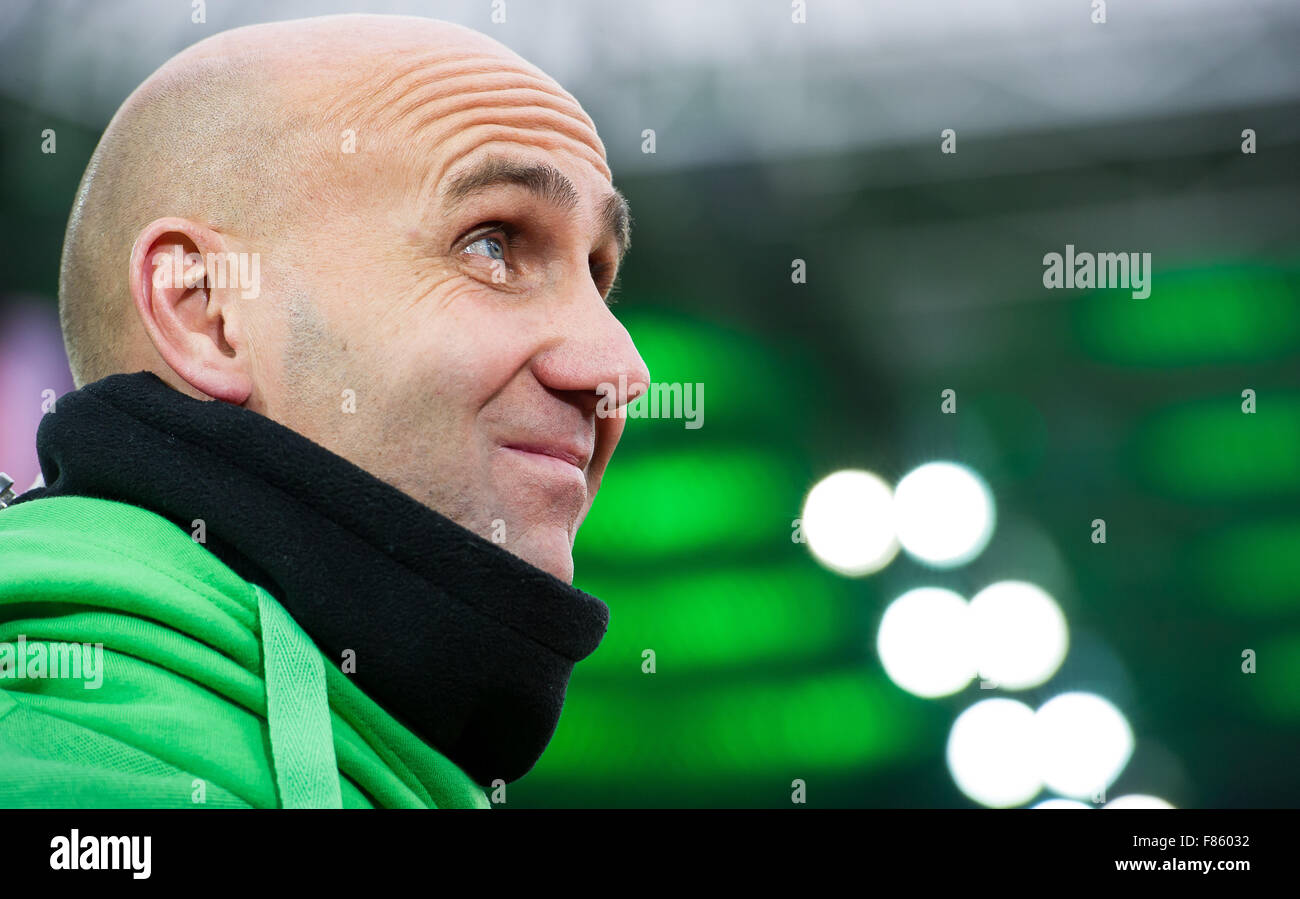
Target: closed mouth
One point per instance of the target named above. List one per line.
(572, 455)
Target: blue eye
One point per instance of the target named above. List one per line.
(492, 248)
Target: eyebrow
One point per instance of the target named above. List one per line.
(546, 182)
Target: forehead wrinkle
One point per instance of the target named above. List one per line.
(477, 136)
(454, 123)
(437, 84)
(435, 108)
(445, 126)
(567, 115)
(364, 92)
(388, 93)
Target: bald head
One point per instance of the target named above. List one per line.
(258, 131)
(435, 235)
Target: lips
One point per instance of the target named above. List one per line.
(575, 455)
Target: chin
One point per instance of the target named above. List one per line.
(552, 553)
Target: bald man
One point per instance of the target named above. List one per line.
(335, 297)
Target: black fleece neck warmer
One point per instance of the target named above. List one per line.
(468, 645)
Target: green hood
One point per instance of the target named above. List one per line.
(209, 694)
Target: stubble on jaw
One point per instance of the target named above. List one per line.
(311, 363)
(318, 370)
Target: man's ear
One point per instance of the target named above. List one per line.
(193, 323)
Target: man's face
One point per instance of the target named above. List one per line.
(455, 281)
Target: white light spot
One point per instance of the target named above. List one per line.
(1084, 743)
(1137, 800)
(1062, 803)
(991, 753)
(848, 522)
(924, 642)
(943, 514)
(1019, 633)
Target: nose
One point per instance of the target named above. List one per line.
(592, 356)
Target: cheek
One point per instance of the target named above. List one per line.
(461, 347)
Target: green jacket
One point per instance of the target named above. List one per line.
(208, 693)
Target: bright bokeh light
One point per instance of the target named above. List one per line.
(1062, 803)
(991, 753)
(943, 514)
(924, 642)
(1083, 743)
(848, 522)
(1137, 800)
(1019, 634)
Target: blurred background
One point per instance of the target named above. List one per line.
(850, 581)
